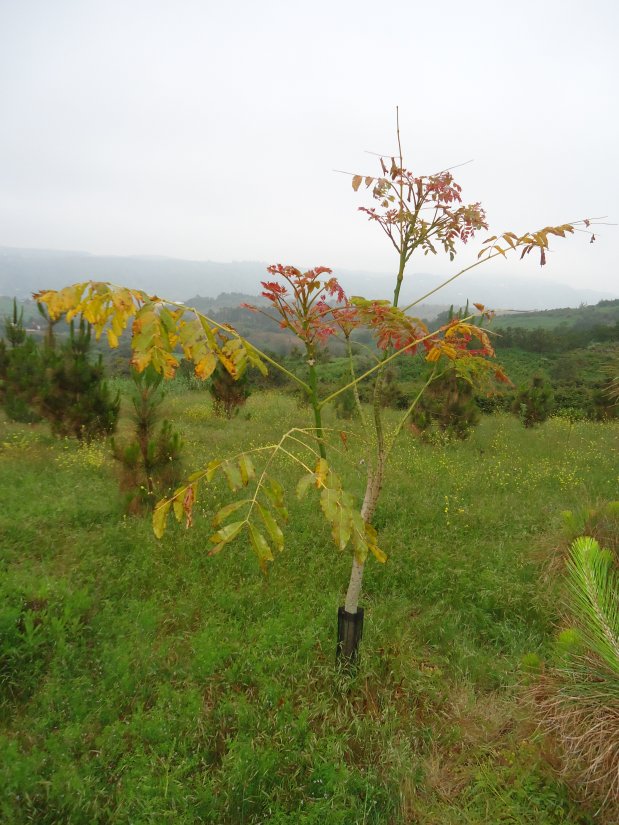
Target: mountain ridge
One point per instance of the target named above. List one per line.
(24, 270)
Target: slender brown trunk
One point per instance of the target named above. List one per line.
(370, 500)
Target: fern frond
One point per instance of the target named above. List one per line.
(594, 586)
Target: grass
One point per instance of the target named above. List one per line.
(144, 682)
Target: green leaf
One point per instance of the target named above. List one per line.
(272, 526)
(260, 545)
(159, 517)
(179, 512)
(275, 494)
(329, 500)
(233, 474)
(254, 359)
(217, 549)
(212, 468)
(227, 533)
(339, 516)
(304, 483)
(246, 469)
(210, 337)
(224, 512)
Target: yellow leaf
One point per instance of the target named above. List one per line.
(160, 515)
(246, 467)
(261, 546)
(112, 338)
(205, 367)
(227, 533)
(177, 506)
(304, 483)
(321, 472)
(272, 526)
(378, 553)
(228, 364)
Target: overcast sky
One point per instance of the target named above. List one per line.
(212, 130)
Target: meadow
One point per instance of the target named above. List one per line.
(142, 681)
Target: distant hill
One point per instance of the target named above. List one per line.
(23, 271)
(604, 312)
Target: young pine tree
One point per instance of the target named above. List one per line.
(75, 397)
(14, 327)
(447, 405)
(150, 461)
(20, 370)
(535, 402)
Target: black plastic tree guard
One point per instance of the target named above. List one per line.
(349, 633)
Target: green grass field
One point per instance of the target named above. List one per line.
(144, 682)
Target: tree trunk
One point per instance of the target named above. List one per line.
(350, 616)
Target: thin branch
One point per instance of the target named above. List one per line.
(389, 358)
(402, 421)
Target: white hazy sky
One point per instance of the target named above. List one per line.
(211, 130)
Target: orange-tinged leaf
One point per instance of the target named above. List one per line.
(228, 364)
(188, 501)
(356, 182)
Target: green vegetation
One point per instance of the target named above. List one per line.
(144, 682)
